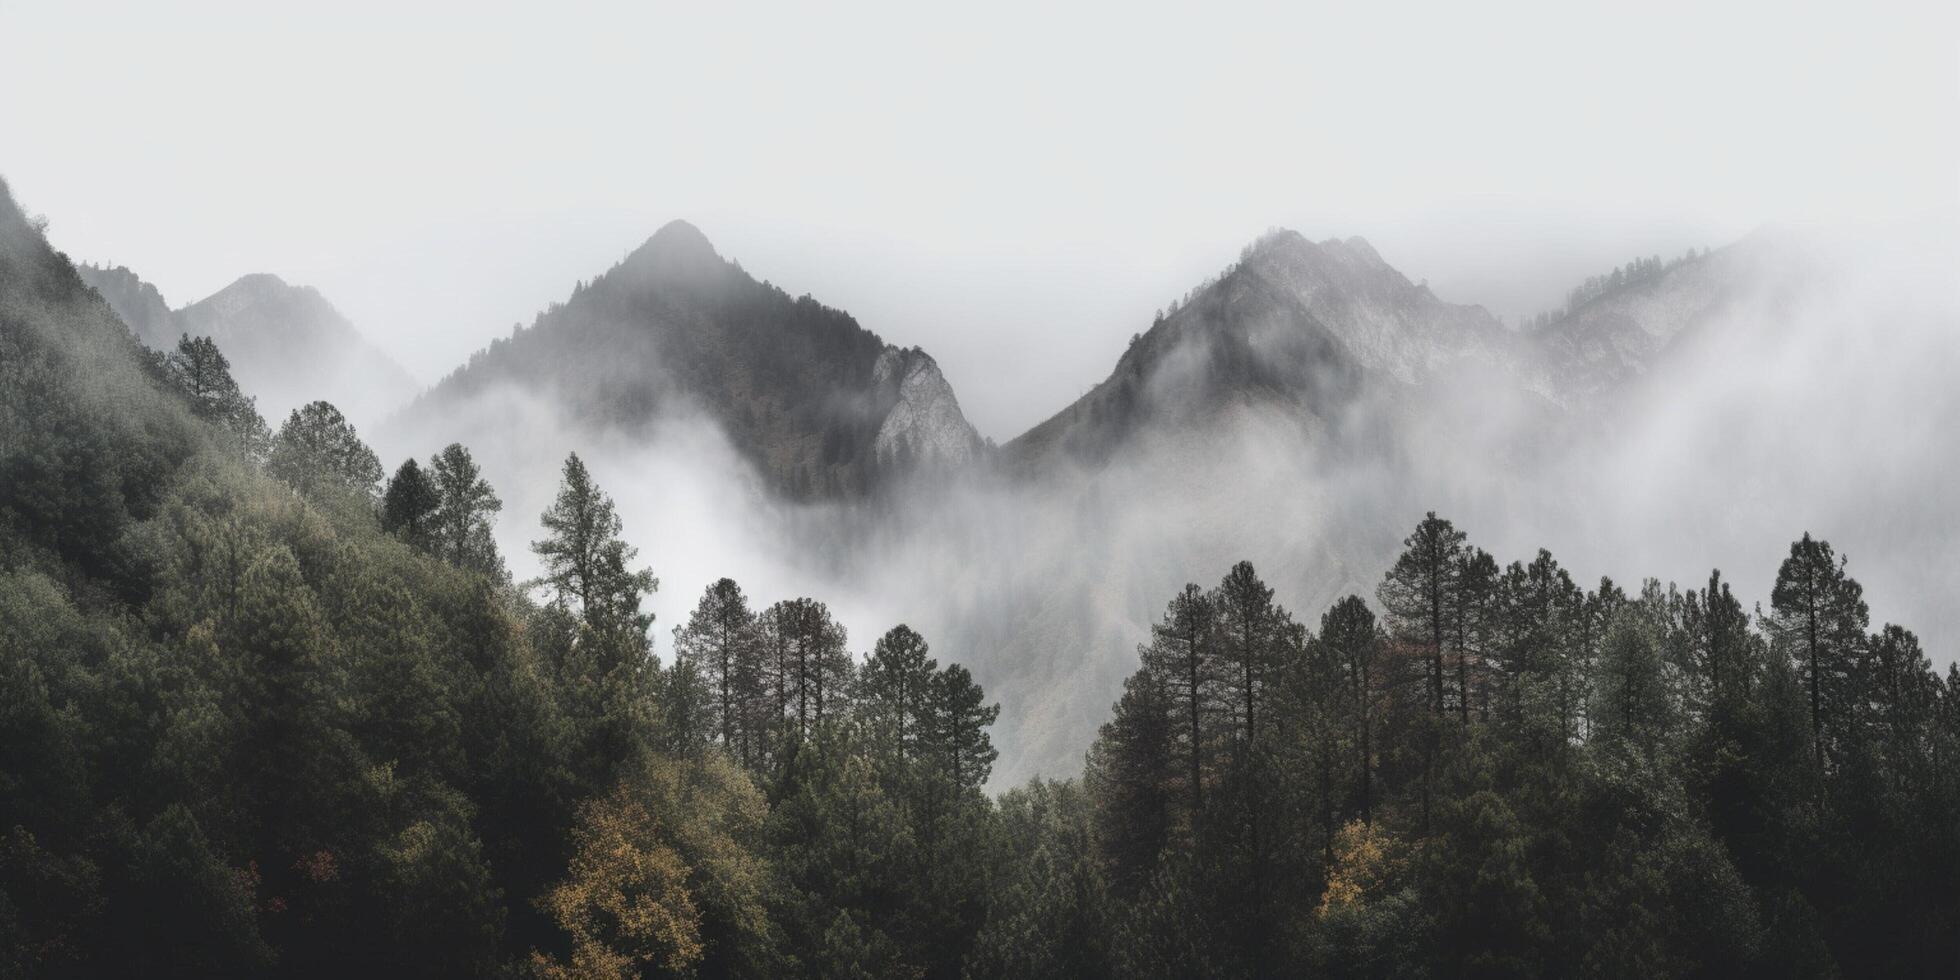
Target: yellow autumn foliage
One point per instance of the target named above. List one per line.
(625, 900)
(1364, 857)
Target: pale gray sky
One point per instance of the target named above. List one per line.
(1013, 186)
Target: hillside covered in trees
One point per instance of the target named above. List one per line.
(270, 707)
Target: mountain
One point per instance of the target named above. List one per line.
(1312, 327)
(1611, 340)
(822, 407)
(1305, 408)
(287, 344)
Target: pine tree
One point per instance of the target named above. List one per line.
(317, 451)
(461, 527)
(586, 564)
(1349, 636)
(604, 665)
(1182, 659)
(1474, 616)
(1718, 630)
(1635, 707)
(1419, 591)
(720, 639)
(813, 668)
(960, 718)
(1130, 773)
(203, 374)
(1251, 644)
(1818, 614)
(408, 506)
(895, 691)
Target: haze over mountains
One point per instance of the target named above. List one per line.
(287, 344)
(821, 406)
(1301, 409)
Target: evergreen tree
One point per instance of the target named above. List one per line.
(1183, 660)
(317, 451)
(896, 689)
(720, 639)
(586, 563)
(813, 669)
(1419, 591)
(1474, 616)
(1129, 775)
(409, 504)
(603, 659)
(960, 718)
(1251, 644)
(1352, 641)
(461, 526)
(1818, 614)
(1719, 632)
(1635, 705)
(203, 374)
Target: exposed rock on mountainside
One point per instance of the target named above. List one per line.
(823, 407)
(924, 423)
(287, 345)
(1613, 339)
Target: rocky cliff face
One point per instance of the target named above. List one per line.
(1383, 321)
(924, 422)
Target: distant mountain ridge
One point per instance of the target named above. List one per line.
(823, 407)
(1316, 327)
(287, 344)
(1310, 326)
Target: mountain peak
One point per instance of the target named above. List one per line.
(677, 249)
(258, 281)
(1357, 247)
(680, 233)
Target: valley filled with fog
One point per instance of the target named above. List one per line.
(1814, 396)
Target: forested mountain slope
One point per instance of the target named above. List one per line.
(1308, 327)
(259, 717)
(821, 406)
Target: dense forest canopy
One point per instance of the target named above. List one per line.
(265, 709)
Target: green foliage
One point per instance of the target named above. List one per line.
(586, 563)
(459, 529)
(202, 373)
(1818, 616)
(317, 452)
(408, 506)
(1523, 777)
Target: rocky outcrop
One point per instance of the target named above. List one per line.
(924, 423)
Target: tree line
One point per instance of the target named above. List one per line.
(1505, 773)
(1634, 273)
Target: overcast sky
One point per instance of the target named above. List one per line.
(1014, 187)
